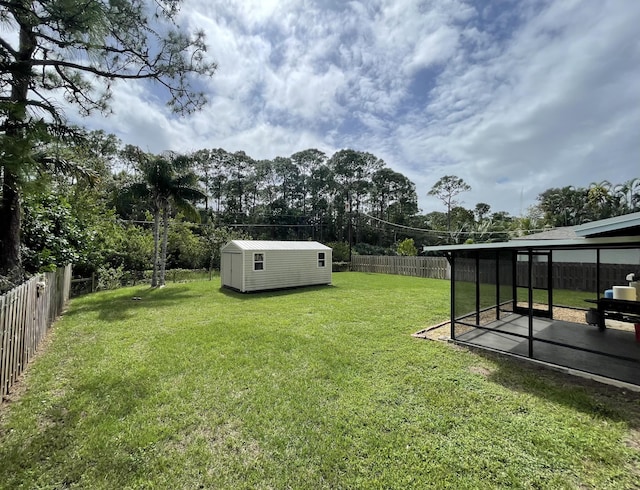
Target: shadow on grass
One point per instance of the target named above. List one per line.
(273, 293)
(586, 395)
(124, 303)
(62, 425)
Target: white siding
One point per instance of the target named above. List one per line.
(286, 269)
(286, 265)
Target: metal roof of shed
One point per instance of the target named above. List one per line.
(277, 245)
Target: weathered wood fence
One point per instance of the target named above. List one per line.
(574, 276)
(566, 275)
(433, 267)
(26, 313)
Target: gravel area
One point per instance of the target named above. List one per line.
(442, 331)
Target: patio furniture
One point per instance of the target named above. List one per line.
(616, 309)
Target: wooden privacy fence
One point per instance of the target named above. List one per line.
(574, 276)
(433, 267)
(566, 275)
(26, 313)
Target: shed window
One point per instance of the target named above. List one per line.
(258, 262)
(321, 260)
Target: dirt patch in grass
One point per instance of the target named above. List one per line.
(481, 370)
(440, 331)
(633, 441)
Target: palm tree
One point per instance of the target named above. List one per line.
(601, 200)
(628, 195)
(169, 183)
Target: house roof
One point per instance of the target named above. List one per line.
(277, 245)
(562, 233)
(542, 244)
(621, 231)
(627, 224)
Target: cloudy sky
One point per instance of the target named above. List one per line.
(514, 96)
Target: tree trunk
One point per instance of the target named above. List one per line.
(11, 205)
(10, 217)
(156, 246)
(165, 239)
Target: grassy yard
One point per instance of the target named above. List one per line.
(466, 297)
(194, 387)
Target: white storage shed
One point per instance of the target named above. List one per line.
(259, 265)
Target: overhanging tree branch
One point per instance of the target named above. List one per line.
(141, 75)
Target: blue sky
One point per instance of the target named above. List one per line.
(514, 96)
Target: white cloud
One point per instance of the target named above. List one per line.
(302, 94)
(533, 115)
(434, 48)
(514, 97)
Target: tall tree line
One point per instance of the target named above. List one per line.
(306, 195)
(121, 213)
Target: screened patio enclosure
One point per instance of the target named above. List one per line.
(532, 298)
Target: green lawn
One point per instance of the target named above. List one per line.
(194, 387)
(466, 297)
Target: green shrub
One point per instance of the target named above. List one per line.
(341, 266)
(407, 248)
(110, 277)
(340, 251)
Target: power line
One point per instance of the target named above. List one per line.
(440, 232)
(249, 225)
(396, 225)
(425, 230)
(235, 225)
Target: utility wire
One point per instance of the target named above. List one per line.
(440, 232)
(396, 225)
(249, 225)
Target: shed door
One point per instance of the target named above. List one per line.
(236, 271)
(232, 270)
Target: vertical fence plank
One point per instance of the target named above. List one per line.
(21, 331)
(28, 327)
(3, 346)
(13, 334)
(428, 267)
(31, 326)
